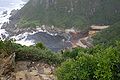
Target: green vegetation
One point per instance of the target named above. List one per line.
(7, 48)
(101, 62)
(25, 24)
(98, 63)
(37, 54)
(40, 45)
(33, 53)
(109, 35)
(70, 13)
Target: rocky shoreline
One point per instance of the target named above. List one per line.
(10, 26)
(53, 38)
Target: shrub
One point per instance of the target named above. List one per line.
(98, 63)
(35, 54)
(40, 45)
(72, 53)
(79, 69)
(7, 47)
(32, 53)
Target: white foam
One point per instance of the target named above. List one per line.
(25, 42)
(16, 6)
(43, 29)
(5, 17)
(22, 39)
(52, 34)
(3, 32)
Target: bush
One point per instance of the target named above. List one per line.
(40, 45)
(32, 53)
(35, 54)
(28, 24)
(7, 47)
(76, 69)
(97, 63)
(72, 53)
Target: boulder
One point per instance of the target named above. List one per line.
(7, 66)
(4, 13)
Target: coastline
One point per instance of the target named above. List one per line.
(53, 38)
(5, 14)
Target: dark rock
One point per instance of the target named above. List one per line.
(4, 13)
(13, 12)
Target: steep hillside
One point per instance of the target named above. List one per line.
(108, 36)
(69, 13)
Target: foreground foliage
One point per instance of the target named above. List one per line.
(97, 63)
(33, 53)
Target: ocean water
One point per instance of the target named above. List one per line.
(8, 6)
(9, 3)
(51, 40)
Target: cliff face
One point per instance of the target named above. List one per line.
(71, 13)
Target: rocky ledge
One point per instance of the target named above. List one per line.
(25, 70)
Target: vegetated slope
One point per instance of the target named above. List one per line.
(109, 35)
(97, 63)
(69, 13)
(19, 62)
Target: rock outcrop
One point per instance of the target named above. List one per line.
(7, 66)
(25, 70)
